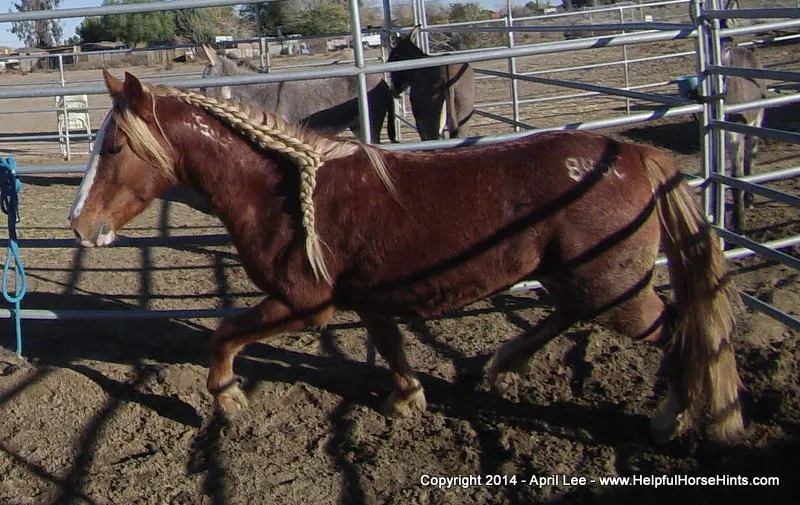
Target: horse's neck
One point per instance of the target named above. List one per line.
(219, 164)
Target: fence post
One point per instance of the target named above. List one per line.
(512, 67)
(704, 124)
(262, 46)
(626, 67)
(64, 110)
(386, 42)
(358, 55)
(717, 113)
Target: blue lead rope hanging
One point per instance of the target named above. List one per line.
(10, 186)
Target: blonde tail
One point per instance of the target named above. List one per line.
(705, 299)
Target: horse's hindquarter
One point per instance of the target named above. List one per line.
(470, 222)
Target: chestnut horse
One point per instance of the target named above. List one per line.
(323, 224)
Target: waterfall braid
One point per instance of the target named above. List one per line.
(305, 148)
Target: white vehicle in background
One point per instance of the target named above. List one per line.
(373, 40)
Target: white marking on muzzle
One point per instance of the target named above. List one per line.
(103, 239)
(91, 171)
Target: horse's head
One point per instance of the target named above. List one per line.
(218, 65)
(128, 168)
(403, 48)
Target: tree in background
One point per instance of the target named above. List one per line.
(324, 18)
(133, 29)
(202, 25)
(270, 18)
(306, 17)
(42, 33)
(472, 11)
(94, 29)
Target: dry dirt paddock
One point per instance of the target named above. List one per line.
(115, 411)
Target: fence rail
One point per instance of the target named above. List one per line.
(710, 71)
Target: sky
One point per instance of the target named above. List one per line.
(9, 39)
(68, 25)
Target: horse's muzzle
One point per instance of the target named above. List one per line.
(101, 235)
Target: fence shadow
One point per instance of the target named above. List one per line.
(111, 340)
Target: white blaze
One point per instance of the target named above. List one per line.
(91, 171)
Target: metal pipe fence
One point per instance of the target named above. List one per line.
(705, 31)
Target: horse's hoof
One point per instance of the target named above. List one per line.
(505, 377)
(407, 405)
(231, 401)
(506, 383)
(664, 427)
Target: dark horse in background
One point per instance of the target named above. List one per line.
(328, 105)
(442, 97)
(322, 225)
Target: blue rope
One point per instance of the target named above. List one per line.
(10, 186)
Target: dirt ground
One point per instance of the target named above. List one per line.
(115, 411)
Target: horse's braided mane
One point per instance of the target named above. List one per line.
(305, 148)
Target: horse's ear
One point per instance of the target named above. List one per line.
(113, 84)
(210, 54)
(394, 37)
(139, 101)
(727, 52)
(414, 32)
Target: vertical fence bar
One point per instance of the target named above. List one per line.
(704, 124)
(512, 66)
(386, 42)
(423, 20)
(358, 55)
(415, 11)
(626, 68)
(262, 45)
(64, 111)
(718, 113)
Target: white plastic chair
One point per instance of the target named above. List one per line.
(73, 115)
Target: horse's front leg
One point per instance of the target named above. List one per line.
(268, 318)
(408, 395)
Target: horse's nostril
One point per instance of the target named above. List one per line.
(77, 235)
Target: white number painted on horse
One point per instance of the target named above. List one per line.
(578, 168)
(91, 170)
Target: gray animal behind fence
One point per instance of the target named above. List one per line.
(328, 105)
(442, 97)
(741, 149)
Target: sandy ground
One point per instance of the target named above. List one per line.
(104, 411)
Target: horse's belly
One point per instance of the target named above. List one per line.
(438, 293)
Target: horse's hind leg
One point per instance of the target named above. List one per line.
(737, 149)
(408, 395)
(646, 317)
(511, 360)
(268, 318)
(750, 151)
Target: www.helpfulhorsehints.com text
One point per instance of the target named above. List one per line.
(541, 481)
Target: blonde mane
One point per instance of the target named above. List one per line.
(306, 149)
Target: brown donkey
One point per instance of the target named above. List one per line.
(322, 225)
(442, 97)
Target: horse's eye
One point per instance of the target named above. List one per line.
(113, 149)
